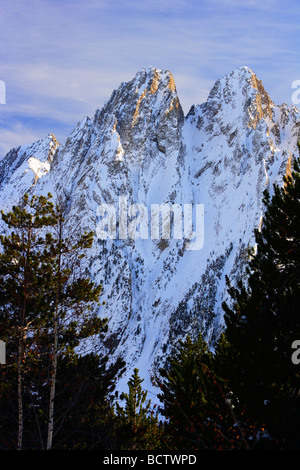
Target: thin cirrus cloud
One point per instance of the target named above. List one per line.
(61, 60)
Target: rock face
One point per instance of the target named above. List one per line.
(22, 167)
(139, 152)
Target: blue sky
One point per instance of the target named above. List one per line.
(61, 59)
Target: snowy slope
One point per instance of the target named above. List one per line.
(140, 149)
(22, 167)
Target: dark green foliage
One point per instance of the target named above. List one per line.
(137, 427)
(245, 395)
(22, 263)
(193, 398)
(264, 321)
(46, 311)
(84, 415)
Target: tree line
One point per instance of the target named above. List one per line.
(58, 390)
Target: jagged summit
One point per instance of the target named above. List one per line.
(140, 150)
(23, 166)
(237, 92)
(139, 111)
(149, 85)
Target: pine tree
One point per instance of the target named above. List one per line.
(45, 312)
(193, 398)
(263, 321)
(137, 427)
(72, 297)
(21, 279)
(84, 402)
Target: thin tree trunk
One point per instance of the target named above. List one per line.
(20, 393)
(21, 345)
(55, 343)
(53, 385)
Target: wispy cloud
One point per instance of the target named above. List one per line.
(62, 59)
(17, 132)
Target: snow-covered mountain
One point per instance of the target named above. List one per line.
(209, 168)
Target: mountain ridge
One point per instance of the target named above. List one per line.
(223, 154)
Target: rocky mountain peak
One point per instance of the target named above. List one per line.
(139, 112)
(240, 95)
(139, 150)
(22, 167)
